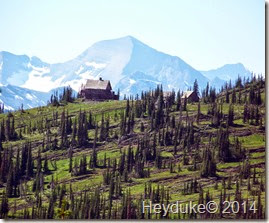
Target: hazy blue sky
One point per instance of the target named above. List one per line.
(204, 33)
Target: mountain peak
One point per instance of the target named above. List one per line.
(131, 38)
(128, 63)
(8, 54)
(128, 37)
(227, 72)
(121, 42)
(238, 65)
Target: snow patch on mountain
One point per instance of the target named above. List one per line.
(129, 85)
(28, 96)
(18, 97)
(14, 97)
(171, 87)
(9, 108)
(40, 70)
(17, 78)
(112, 60)
(108, 58)
(79, 70)
(95, 65)
(132, 81)
(129, 64)
(40, 82)
(87, 75)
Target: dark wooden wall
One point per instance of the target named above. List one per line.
(98, 94)
(193, 98)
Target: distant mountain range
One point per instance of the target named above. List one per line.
(14, 97)
(129, 64)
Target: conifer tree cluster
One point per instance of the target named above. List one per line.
(155, 133)
(66, 96)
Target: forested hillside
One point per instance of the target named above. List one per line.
(89, 160)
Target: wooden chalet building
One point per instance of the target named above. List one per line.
(191, 96)
(98, 90)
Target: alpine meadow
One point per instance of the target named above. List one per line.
(77, 159)
(133, 110)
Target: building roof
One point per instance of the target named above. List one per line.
(98, 84)
(187, 94)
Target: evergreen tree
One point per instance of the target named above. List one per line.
(30, 164)
(4, 206)
(233, 96)
(239, 96)
(185, 103)
(127, 109)
(10, 182)
(208, 165)
(230, 115)
(142, 128)
(1, 144)
(227, 97)
(67, 95)
(212, 95)
(257, 115)
(258, 98)
(245, 113)
(238, 82)
(94, 158)
(207, 90)
(159, 112)
(252, 98)
(70, 155)
(74, 132)
(195, 87)
(158, 160)
(178, 102)
(45, 166)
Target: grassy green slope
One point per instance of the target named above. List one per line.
(252, 138)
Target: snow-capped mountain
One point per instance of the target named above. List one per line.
(154, 68)
(20, 70)
(13, 97)
(129, 64)
(115, 60)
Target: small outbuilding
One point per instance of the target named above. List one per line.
(98, 90)
(191, 96)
